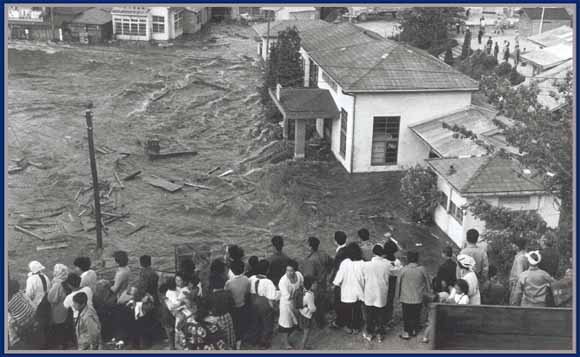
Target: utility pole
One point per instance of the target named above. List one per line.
(96, 191)
(268, 43)
(542, 19)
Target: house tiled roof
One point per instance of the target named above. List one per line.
(94, 16)
(487, 175)
(476, 119)
(550, 13)
(361, 60)
(306, 103)
(277, 26)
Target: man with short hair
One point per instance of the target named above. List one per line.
(239, 286)
(365, 245)
(148, 278)
(87, 325)
(278, 260)
(88, 276)
(413, 284)
(73, 281)
(341, 254)
(376, 286)
(481, 268)
(318, 265)
(448, 270)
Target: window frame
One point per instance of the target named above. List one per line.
(130, 26)
(178, 21)
(157, 26)
(393, 139)
(454, 211)
(441, 200)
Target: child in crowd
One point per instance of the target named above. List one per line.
(458, 296)
(307, 310)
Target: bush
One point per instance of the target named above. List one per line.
(419, 192)
(516, 77)
(478, 65)
(504, 69)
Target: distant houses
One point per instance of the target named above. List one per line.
(92, 26)
(541, 19)
(291, 13)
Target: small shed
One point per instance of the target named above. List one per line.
(541, 19)
(92, 26)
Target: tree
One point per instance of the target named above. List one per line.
(544, 139)
(449, 57)
(284, 67)
(419, 191)
(427, 28)
(466, 48)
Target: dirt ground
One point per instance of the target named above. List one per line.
(203, 93)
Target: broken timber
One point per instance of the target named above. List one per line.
(51, 246)
(241, 194)
(213, 170)
(137, 229)
(197, 186)
(131, 176)
(164, 184)
(27, 232)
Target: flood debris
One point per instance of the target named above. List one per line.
(51, 246)
(226, 173)
(214, 170)
(164, 184)
(190, 184)
(141, 227)
(154, 151)
(131, 176)
(28, 233)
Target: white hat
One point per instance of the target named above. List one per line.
(534, 258)
(35, 267)
(466, 261)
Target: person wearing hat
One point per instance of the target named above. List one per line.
(465, 265)
(35, 287)
(532, 286)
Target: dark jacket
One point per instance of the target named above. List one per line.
(550, 261)
(147, 283)
(447, 272)
(278, 262)
(338, 258)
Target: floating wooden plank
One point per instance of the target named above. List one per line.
(164, 184)
(137, 229)
(229, 172)
(27, 232)
(197, 186)
(168, 154)
(132, 176)
(213, 170)
(118, 180)
(15, 169)
(51, 246)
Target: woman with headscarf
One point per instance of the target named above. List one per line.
(465, 264)
(532, 286)
(37, 287)
(389, 249)
(61, 328)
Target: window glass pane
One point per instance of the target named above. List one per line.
(385, 133)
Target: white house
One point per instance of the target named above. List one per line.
(137, 23)
(291, 13)
(381, 88)
(501, 182)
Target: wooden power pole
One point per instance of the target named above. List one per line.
(96, 191)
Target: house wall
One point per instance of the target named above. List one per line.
(36, 31)
(170, 32)
(194, 22)
(413, 108)
(527, 27)
(265, 48)
(148, 30)
(96, 33)
(545, 206)
(288, 14)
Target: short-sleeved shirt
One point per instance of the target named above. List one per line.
(122, 277)
(266, 288)
(376, 282)
(350, 279)
(240, 288)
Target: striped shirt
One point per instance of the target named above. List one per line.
(21, 309)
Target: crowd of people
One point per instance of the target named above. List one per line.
(244, 301)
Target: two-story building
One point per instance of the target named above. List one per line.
(138, 23)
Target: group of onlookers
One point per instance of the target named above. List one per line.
(244, 302)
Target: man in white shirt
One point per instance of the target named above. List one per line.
(263, 300)
(376, 286)
(349, 279)
(83, 268)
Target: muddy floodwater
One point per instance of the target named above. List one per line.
(201, 93)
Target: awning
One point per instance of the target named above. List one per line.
(305, 103)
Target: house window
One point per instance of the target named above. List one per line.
(515, 202)
(158, 24)
(385, 140)
(178, 21)
(313, 78)
(443, 200)
(130, 26)
(456, 212)
(330, 81)
(343, 123)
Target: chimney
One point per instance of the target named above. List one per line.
(278, 88)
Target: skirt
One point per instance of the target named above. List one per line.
(226, 323)
(304, 322)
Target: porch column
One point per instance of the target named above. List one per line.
(285, 129)
(299, 139)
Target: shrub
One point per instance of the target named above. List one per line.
(419, 192)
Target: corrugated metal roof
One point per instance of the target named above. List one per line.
(486, 175)
(360, 60)
(94, 16)
(562, 34)
(473, 118)
(550, 56)
(547, 83)
(307, 103)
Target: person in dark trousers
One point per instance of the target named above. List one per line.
(278, 260)
(489, 46)
(318, 265)
(350, 280)
(479, 36)
(478, 254)
(389, 250)
(264, 296)
(341, 254)
(239, 286)
(506, 52)
(413, 284)
(447, 273)
(550, 257)
(365, 245)
(496, 50)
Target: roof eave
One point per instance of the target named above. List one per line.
(503, 193)
(418, 90)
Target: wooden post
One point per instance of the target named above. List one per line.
(299, 139)
(96, 191)
(268, 44)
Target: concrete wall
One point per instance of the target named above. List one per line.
(413, 107)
